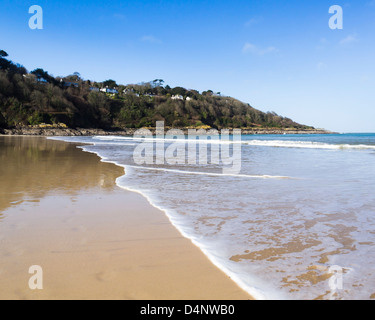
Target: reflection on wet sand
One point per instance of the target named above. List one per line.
(63, 212)
(32, 167)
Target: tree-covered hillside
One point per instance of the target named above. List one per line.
(36, 97)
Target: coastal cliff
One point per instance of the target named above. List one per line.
(37, 103)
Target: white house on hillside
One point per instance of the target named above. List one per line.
(177, 97)
(108, 90)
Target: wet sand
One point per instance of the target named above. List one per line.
(60, 209)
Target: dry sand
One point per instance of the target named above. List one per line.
(60, 209)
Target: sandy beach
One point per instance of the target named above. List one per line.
(61, 209)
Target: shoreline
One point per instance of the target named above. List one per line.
(49, 132)
(131, 252)
(252, 292)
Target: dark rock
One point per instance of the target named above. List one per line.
(129, 132)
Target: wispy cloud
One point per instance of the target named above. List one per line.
(260, 51)
(253, 21)
(150, 39)
(349, 39)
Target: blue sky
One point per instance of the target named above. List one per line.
(276, 55)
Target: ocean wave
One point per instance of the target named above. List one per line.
(211, 173)
(201, 139)
(261, 143)
(306, 144)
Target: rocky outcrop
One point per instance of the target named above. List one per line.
(285, 131)
(29, 131)
(60, 132)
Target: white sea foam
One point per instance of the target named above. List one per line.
(211, 173)
(263, 143)
(305, 144)
(196, 139)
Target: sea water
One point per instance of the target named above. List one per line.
(297, 221)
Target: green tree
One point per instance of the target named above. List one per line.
(35, 119)
(3, 54)
(4, 63)
(43, 75)
(178, 91)
(110, 83)
(157, 83)
(2, 121)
